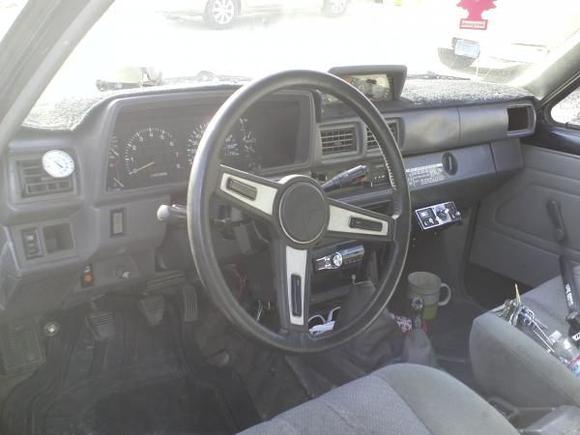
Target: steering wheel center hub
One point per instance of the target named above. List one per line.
(303, 212)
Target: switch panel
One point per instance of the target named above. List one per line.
(438, 215)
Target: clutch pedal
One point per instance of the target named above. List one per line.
(20, 348)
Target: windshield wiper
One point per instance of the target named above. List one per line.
(207, 76)
(430, 75)
(140, 77)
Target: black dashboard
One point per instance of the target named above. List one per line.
(133, 153)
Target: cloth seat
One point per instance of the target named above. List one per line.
(509, 364)
(397, 399)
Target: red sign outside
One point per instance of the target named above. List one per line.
(475, 8)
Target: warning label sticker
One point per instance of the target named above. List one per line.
(425, 175)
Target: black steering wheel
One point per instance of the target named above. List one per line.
(299, 214)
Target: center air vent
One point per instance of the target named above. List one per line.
(372, 143)
(34, 181)
(338, 140)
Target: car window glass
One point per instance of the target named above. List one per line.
(9, 10)
(567, 111)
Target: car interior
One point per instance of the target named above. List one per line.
(308, 252)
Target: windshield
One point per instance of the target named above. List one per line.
(150, 43)
(9, 10)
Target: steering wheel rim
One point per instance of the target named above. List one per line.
(205, 181)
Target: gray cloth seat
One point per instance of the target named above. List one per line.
(509, 364)
(398, 399)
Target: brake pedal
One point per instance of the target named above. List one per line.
(153, 309)
(101, 324)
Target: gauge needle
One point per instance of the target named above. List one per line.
(142, 168)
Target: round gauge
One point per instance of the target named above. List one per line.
(239, 149)
(58, 164)
(151, 155)
(193, 141)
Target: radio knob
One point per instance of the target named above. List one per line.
(337, 260)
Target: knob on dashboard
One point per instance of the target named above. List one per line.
(337, 259)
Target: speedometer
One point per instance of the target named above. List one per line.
(151, 156)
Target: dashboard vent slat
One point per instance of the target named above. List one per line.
(35, 182)
(372, 143)
(338, 140)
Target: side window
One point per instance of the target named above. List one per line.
(567, 111)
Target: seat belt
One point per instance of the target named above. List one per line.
(572, 298)
(571, 293)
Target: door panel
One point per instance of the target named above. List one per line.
(514, 235)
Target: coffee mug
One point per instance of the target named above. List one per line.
(428, 286)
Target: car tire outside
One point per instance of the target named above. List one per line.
(334, 8)
(454, 61)
(221, 13)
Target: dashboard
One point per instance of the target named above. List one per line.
(82, 221)
(156, 145)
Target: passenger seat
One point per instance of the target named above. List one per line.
(510, 365)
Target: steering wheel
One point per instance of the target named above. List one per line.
(299, 214)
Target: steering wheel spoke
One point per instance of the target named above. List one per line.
(249, 192)
(349, 221)
(292, 270)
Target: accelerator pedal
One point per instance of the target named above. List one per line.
(190, 305)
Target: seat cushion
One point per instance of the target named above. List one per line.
(398, 399)
(509, 364)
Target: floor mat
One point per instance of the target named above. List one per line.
(172, 406)
(144, 380)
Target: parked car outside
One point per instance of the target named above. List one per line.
(223, 13)
(535, 32)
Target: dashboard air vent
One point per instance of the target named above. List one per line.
(338, 140)
(372, 143)
(34, 181)
(519, 118)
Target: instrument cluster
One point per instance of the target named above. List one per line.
(156, 154)
(152, 146)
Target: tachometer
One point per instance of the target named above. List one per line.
(193, 141)
(151, 156)
(239, 149)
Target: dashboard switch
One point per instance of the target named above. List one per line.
(31, 243)
(87, 276)
(118, 222)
